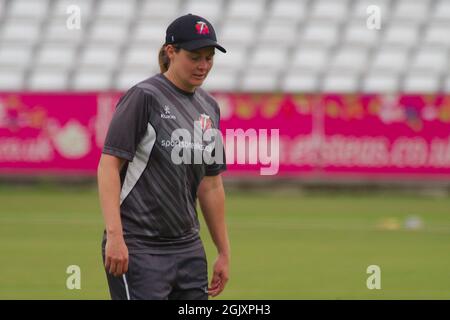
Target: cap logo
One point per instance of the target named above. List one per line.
(202, 27)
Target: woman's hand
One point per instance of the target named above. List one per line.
(116, 255)
(220, 275)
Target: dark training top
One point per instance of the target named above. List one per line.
(158, 196)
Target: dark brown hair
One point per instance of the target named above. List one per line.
(163, 59)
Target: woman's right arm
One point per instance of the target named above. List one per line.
(116, 251)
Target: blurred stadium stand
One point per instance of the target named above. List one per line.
(273, 45)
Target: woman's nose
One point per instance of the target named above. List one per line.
(203, 64)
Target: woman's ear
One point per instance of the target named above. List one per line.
(170, 51)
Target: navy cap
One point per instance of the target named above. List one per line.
(192, 32)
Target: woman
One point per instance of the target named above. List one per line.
(151, 244)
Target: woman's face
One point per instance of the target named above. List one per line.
(191, 67)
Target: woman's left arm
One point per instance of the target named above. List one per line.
(211, 196)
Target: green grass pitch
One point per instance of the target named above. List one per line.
(284, 246)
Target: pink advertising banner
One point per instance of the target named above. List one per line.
(387, 135)
(292, 116)
(377, 136)
(394, 136)
(53, 133)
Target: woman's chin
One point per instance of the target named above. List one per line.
(197, 81)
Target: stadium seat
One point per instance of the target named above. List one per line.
(411, 10)
(350, 58)
(442, 10)
(211, 10)
(437, 34)
(11, 79)
(361, 6)
(237, 32)
(2, 8)
(268, 58)
(99, 57)
(109, 31)
(60, 9)
(312, 59)
(20, 31)
(139, 56)
(51, 55)
(357, 33)
(337, 81)
(150, 32)
(321, 33)
(402, 34)
(130, 77)
(329, 10)
(447, 84)
(116, 9)
(221, 80)
(430, 59)
(278, 33)
(165, 10)
(48, 80)
(234, 59)
(91, 80)
(259, 80)
(384, 82)
(421, 82)
(28, 9)
(15, 55)
(249, 10)
(288, 10)
(394, 60)
(300, 81)
(56, 31)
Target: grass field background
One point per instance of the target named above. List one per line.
(284, 245)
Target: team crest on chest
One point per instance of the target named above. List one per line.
(205, 122)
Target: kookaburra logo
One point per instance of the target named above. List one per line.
(167, 114)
